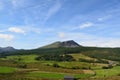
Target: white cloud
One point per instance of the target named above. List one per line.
(72, 36)
(22, 29)
(104, 17)
(86, 25)
(6, 37)
(16, 30)
(55, 8)
(104, 42)
(88, 40)
(61, 34)
(17, 3)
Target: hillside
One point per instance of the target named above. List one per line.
(7, 49)
(53, 45)
(54, 61)
(66, 47)
(67, 44)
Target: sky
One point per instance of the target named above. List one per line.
(29, 24)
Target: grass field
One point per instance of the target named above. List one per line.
(22, 58)
(56, 75)
(78, 56)
(74, 64)
(7, 70)
(36, 70)
(108, 72)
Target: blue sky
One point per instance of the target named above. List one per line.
(33, 23)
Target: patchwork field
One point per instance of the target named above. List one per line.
(31, 69)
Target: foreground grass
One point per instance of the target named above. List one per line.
(7, 70)
(45, 69)
(56, 75)
(23, 58)
(69, 65)
(108, 72)
(78, 56)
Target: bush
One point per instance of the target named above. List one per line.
(75, 67)
(110, 66)
(118, 74)
(84, 68)
(118, 64)
(93, 61)
(55, 57)
(55, 65)
(107, 67)
(47, 64)
(22, 66)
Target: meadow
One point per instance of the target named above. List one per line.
(115, 71)
(56, 75)
(7, 70)
(31, 69)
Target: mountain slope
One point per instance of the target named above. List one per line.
(53, 45)
(67, 44)
(7, 49)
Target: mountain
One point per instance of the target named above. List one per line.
(70, 43)
(7, 49)
(67, 44)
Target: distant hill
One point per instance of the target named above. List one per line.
(66, 47)
(67, 44)
(7, 49)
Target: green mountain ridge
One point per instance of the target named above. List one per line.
(52, 45)
(70, 47)
(67, 44)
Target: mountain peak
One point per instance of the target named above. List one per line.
(68, 44)
(5, 49)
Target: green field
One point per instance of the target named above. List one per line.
(38, 70)
(108, 72)
(56, 75)
(7, 70)
(73, 64)
(78, 56)
(22, 58)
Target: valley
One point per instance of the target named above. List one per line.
(83, 63)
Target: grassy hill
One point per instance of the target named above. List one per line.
(53, 45)
(85, 63)
(58, 44)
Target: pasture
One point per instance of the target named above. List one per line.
(56, 75)
(38, 70)
(7, 70)
(115, 71)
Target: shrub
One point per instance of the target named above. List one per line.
(75, 67)
(22, 66)
(104, 67)
(118, 74)
(55, 65)
(110, 66)
(118, 64)
(55, 57)
(47, 64)
(107, 67)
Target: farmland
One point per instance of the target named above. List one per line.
(7, 70)
(31, 69)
